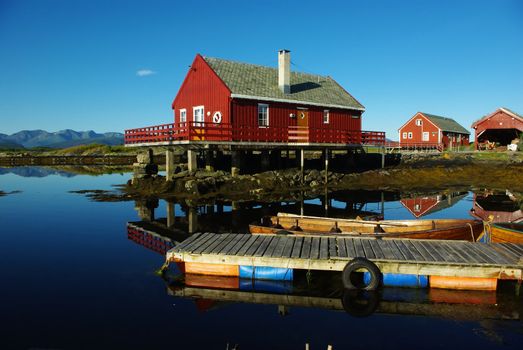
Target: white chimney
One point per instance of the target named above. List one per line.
(284, 71)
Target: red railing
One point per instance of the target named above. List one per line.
(192, 131)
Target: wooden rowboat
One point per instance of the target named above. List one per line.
(506, 232)
(449, 229)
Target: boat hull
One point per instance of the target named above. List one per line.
(507, 232)
(446, 229)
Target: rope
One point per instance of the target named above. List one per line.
(471, 231)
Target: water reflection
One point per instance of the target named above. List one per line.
(428, 204)
(211, 292)
(497, 206)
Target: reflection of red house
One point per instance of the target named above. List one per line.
(421, 206)
(502, 126)
(500, 206)
(432, 131)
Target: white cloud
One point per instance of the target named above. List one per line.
(144, 72)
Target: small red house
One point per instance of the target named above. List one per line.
(501, 126)
(224, 101)
(425, 130)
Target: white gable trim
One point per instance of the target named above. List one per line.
(249, 97)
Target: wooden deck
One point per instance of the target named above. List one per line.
(421, 257)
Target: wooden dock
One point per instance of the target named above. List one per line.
(402, 256)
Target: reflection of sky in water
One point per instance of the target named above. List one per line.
(72, 279)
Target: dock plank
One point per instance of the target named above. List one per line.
(205, 245)
(376, 249)
(358, 246)
(250, 242)
(487, 257)
(226, 240)
(342, 249)
(188, 241)
(457, 254)
(502, 254)
(369, 252)
(393, 248)
(457, 249)
(430, 248)
(264, 245)
(306, 248)
(272, 246)
(385, 248)
(349, 245)
(221, 237)
(296, 249)
(417, 256)
(324, 248)
(492, 252)
(237, 246)
(315, 248)
(422, 250)
(405, 250)
(196, 242)
(517, 247)
(289, 245)
(511, 249)
(278, 250)
(333, 248)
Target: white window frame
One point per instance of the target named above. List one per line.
(425, 136)
(201, 120)
(419, 122)
(266, 124)
(326, 116)
(404, 135)
(410, 135)
(183, 116)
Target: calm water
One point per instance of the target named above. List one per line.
(73, 279)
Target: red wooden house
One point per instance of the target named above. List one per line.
(428, 131)
(222, 101)
(501, 126)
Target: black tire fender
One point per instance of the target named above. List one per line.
(349, 279)
(360, 303)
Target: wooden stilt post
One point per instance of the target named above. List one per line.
(235, 163)
(192, 160)
(171, 216)
(382, 157)
(326, 156)
(169, 164)
(209, 159)
(193, 220)
(302, 163)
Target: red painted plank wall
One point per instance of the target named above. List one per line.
(202, 87)
(500, 120)
(417, 131)
(245, 112)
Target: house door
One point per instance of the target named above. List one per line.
(303, 125)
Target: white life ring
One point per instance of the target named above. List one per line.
(217, 118)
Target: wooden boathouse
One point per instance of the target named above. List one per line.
(445, 263)
(233, 107)
(497, 128)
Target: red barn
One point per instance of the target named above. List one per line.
(501, 127)
(425, 130)
(421, 206)
(224, 101)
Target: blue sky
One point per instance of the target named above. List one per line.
(75, 64)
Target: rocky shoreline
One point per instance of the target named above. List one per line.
(414, 174)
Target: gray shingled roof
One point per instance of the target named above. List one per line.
(258, 81)
(446, 124)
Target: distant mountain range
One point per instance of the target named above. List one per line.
(59, 139)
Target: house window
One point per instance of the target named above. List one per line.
(263, 115)
(419, 122)
(183, 117)
(425, 136)
(326, 116)
(410, 135)
(198, 116)
(417, 207)
(404, 135)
